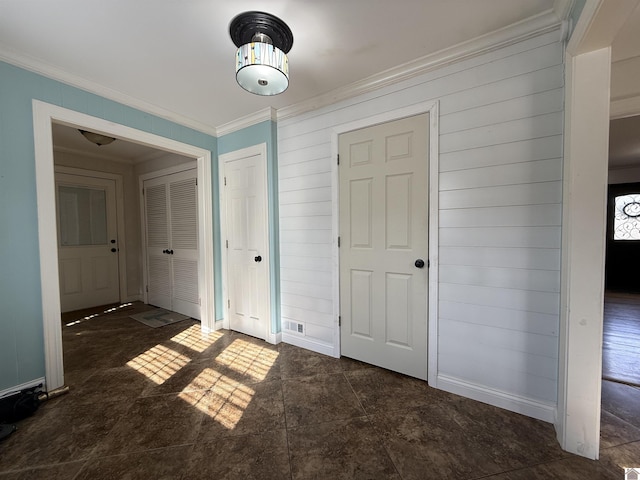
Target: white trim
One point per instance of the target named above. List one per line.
(143, 219)
(562, 8)
(537, 25)
(55, 73)
(304, 342)
(514, 403)
(261, 151)
(23, 386)
(260, 116)
(43, 115)
(432, 108)
(624, 107)
(275, 338)
(122, 244)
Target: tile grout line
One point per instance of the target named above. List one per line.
(286, 428)
(368, 416)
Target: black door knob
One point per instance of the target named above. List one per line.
(113, 241)
(113, 250)
(419, 263)
(170, 252)
(165, 251)
(258, 258)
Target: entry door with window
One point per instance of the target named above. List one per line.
(87, 241)
(244, 216)
(171, 215)
(384, 244)
(623, 238)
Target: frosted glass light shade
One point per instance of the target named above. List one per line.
(262, 68)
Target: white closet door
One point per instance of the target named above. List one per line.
(171, 210)
(158, 261)
(183, 201)
(384, 205)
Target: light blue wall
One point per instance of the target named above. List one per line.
(574, 14)
(265, 132)
(21, 330)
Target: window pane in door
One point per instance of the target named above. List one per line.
(626, 223)
(82, 216)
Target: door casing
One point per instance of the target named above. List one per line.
(44, 114)
(432, 108)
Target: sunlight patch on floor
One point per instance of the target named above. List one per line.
(159, 363)
(248, 359)
(194, 339)
(227, 401)
(89, 317)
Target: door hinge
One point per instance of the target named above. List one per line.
(338, 242)
(196, 182)
(225, 181)
(227, 242)
(339, 321)
(338, 159)
(228, 303)
(143, 192)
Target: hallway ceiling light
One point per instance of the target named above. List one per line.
(263, 41)
(96, 138)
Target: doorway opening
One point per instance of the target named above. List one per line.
(45, 116)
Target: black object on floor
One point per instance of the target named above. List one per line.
(20, 405)
(6, 430)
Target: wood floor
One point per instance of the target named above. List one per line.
(621, 338)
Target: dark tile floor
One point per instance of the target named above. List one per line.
(168, 403)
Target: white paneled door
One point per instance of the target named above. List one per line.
(384, 244)
(87, 241)
(171, 216)
(245, 223)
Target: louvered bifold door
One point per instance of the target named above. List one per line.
(183, 201)
(157, 233)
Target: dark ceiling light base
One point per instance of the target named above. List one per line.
(263, 40)
(96, 138)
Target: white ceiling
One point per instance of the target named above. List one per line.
(177, 56)
(70, 140)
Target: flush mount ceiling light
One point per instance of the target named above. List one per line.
(96, 138)
(263, 41)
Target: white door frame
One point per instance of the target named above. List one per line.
(122, 252)
(432, 108)
(44, 115)
(261, 150)
(143, 219)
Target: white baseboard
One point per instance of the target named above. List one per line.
(514, 403)
(275, 338)
(22, 386)
(304, 342)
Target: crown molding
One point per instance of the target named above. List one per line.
(624, 107)
(260, 116)
(562, 8)
(531, 27)
(55, 73)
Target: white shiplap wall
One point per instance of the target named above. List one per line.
(501, 123)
